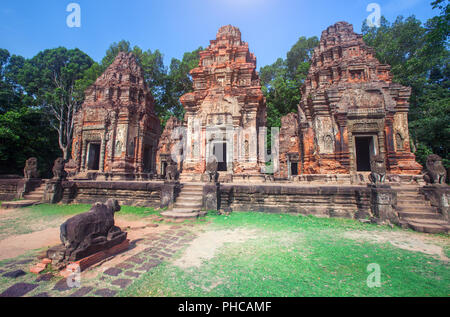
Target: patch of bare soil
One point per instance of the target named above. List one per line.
(5, 211)
(206, 244)
(404, 240)
(16, 245)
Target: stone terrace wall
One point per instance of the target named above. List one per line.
(145, 194)
(9, 188)
(15, 188)
(333, 201)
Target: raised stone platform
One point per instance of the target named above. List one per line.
(131, 193)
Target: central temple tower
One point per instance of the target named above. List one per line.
(227, 109)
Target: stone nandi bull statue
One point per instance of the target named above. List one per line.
(91, 232)
(436, 172)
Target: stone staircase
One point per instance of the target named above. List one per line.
(189, 202)
(32, 198)
(416, 212)
(37, 194)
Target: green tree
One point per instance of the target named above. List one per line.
(50, 78)
(11, 93)
(178, 83)
(419, 56)
(25, 133)
(282, 80)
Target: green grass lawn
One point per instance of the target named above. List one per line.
(298, 256)
(283, 255)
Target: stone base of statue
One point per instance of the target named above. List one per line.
(169, 193)
(211, 196)
(84, 263)
(383, 200)
(439, 197)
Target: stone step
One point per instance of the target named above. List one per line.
(191, 193)
(36, 198)
(190, 197)
(413, 203)
(429, 209)
(180, 215)
(432, 221)
(188, 204)
(184, 210)
(419, 215)
(34, 194)
(409, 194)
(18, 204)
(192, 187)
(429, 227)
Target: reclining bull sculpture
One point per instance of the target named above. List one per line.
(91, 232)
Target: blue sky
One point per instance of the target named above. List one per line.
(270, 27)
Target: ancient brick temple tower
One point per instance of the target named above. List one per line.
(227, 109)
(116, 131)
(350, 110)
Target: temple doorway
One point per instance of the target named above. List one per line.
(148, 159)
(364, 147)
(220, 151)
(94, 157)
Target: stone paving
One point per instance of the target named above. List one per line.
(17, 281)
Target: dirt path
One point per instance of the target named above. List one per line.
(206, 244)
(5, 211)
(431, 245)
(14, 246)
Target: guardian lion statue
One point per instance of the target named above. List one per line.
(30, 170)
(211, 169)
(378, 168)
(436, 172)
(58, 169)
(172, 173)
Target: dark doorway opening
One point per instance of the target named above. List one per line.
(363, 147)
(220, 151)
(294, 169)
(148, 159)
(94, 157)
(163, 169)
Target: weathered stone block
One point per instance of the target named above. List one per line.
(211, 196)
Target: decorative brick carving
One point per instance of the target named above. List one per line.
(348, 94)
(227, 96)
(116, 130)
